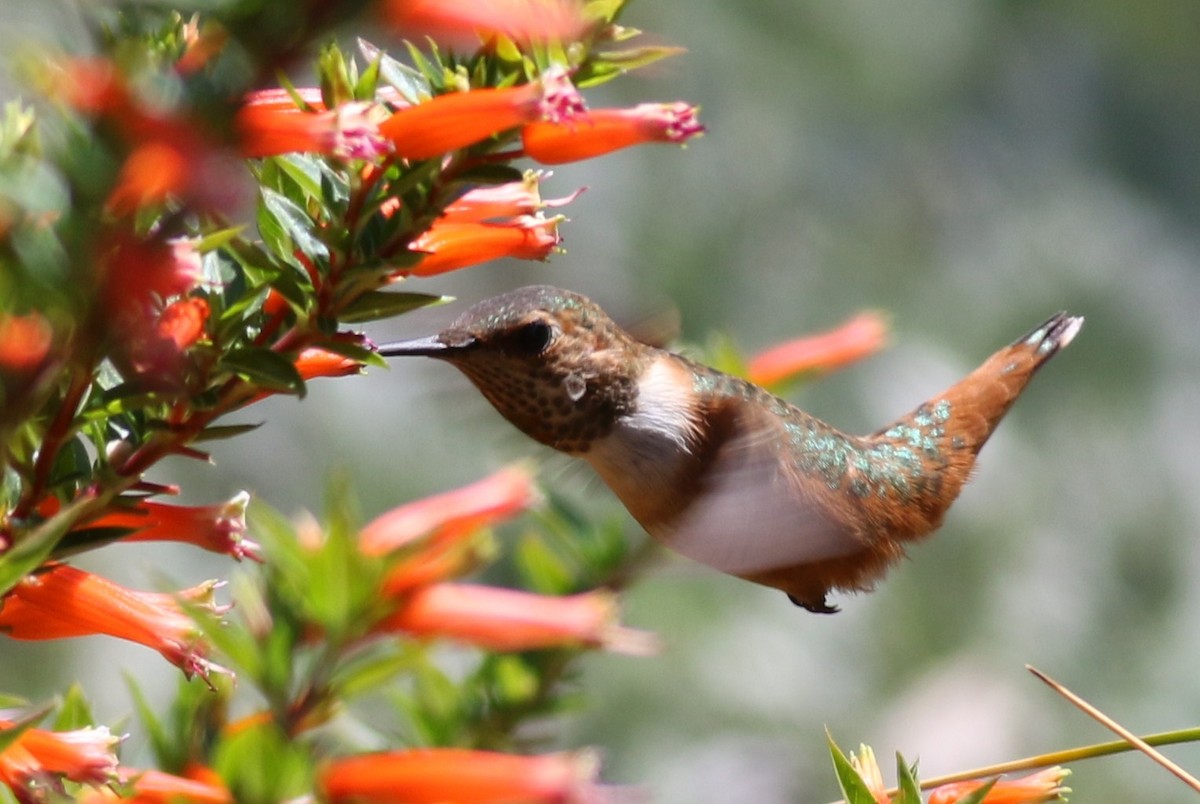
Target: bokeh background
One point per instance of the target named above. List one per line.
(968, 166)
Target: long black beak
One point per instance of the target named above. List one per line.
(419, 347)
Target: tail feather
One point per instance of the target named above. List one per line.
(985, 395)
(948, 431)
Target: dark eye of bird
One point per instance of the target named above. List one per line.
(532, 338)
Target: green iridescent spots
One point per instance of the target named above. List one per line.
(896, 466)
(823, 452)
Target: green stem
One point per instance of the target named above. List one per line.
(1065, 757)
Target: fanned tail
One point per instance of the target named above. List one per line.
(981, 399)
(935, 446)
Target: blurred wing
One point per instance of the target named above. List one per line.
(754, 512)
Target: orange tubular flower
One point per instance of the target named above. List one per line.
(457, 21)
(152, 173)
(1038, 788)
(269, 126)
(511, 200)
(83, 755)
(157, 787)
(217, 528)
(449, 246)
(317, 362)
(451, 514)
(510, 620)
(459, 119)
(24, 342)
(431, 775)
(61, 601)
(861, 336)
(445, 527)
(181, 323)
(600, 131)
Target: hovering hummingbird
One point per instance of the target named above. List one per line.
(717, 468)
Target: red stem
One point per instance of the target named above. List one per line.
(53, 441)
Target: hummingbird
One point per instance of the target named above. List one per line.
(719, 469)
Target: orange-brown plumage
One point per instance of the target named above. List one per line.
(716, 467)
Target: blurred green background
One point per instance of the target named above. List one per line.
(969, 166)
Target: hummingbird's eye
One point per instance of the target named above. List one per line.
(532, 338)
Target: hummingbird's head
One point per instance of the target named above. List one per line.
(549, 360)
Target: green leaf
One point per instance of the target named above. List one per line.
(376, 304)
(722, 354)
(604, 10)
(72, 463)
(295, 222)
(906, 777)
(854, 789)
(272, 232)
(635, 57)
(264, 368)
(490, 174)
(304, 171)
(220, 431)
(240, 646)
(151, 725)
(977, 795)
(353, 351)
(217, 239)
(610, 64)
(368, 82)
(262, 763)
(9, 734)
(412, 86)
(83, 539)
(334, 75)
(515, 682)
(75, 712)
(541, 569)
(371, 669)
(35, 547)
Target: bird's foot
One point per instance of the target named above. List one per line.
(815, 605)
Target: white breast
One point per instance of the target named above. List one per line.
(641, 455)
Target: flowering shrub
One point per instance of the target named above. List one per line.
(135, 314)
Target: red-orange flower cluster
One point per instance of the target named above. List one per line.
(439, 531)
(433, 775)
(137, 277)
(488, 223)
(59, 601)
(169, 155)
